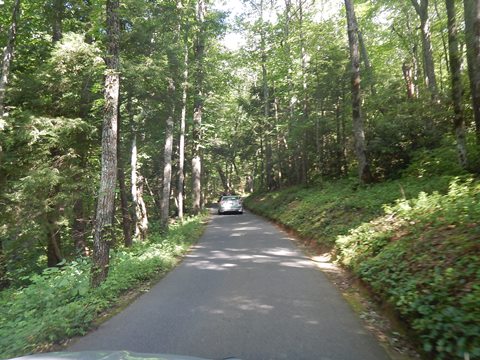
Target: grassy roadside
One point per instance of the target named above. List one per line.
(414, 242)
(59, 303)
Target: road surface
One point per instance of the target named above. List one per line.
(246, 291)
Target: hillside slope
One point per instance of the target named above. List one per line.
(414, 242)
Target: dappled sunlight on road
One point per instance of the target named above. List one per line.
(246, 228)
(324, 262)
(231, 259)
(282, 252)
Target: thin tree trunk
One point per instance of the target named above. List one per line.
(106, 197)
(54, 240)
(344, 142)
(279, 148)
(429, 65)
(290, 96)
(223, 178)
(366, 61)
(7, 58)
(167, 158)
(181, 160)
(305, 115)
(266, 105)
(58, 14)
(198, 109)
(79, 224)
(141, 211)
(409, 82)
(457, 88)
(54, 253)
(126, 218)
(339, 145)
(477, 57)
(472, 29)
(140, 219)
(79, 227)
(4, 282)
(358, 130)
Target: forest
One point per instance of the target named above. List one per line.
(121, 120)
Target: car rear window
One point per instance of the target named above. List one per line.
(230, 198)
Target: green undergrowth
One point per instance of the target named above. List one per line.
(414, 242)
(60, 303)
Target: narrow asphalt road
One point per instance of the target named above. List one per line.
(246, 291)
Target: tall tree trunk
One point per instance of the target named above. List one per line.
(472, 26)
(477, 56)
(181, 145)
(140, 219)
(305, 115)
(428, 63)
(167, 157)
(266, 105)
(198, 108)
(7, 58)
(106, 197)
(366, 60)
(407, 70)
(54, 253)
(54, 240)
(339, 144)
(79, 227)
(358, 130)
(79, 223)
(58, 14)
(292, 161)
(223, 178)
(141, 216)
(126, 218)
(279, 148)
(4, 282)
(457, 88)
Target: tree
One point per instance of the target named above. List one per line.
(106, 195)
(430, 79)
(167, 154)
(198, 107)
(472, 26)
(457, 88)
(181, 144)
(58, 11)
(140, 209)
(126, 218)
(358, 130)
(6, 61)
(7, 58)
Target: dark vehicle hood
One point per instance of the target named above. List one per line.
(106, 355)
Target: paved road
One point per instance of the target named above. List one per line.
(244, 291)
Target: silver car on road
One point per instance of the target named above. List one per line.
(230, 204)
